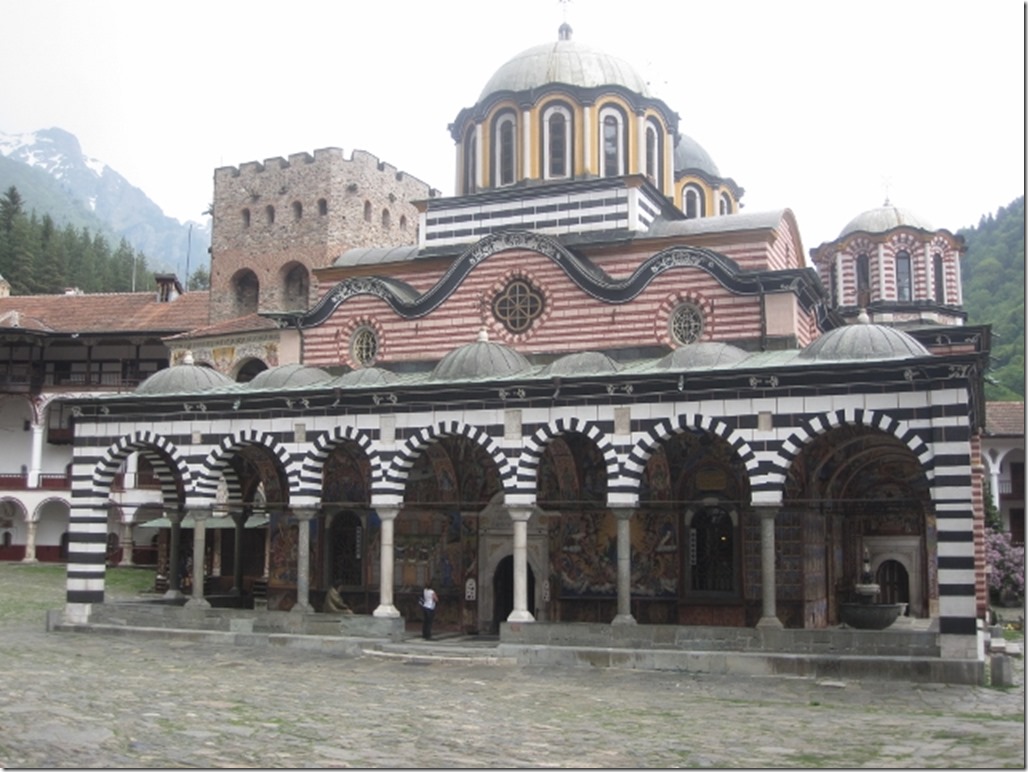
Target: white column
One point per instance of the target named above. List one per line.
(624, 615)
(199, 548)
(768, 614)
(520, 516)
(127, 544)
(30, 541)
(174, 574)
(385, 580)
(303, 561)
(36, 463)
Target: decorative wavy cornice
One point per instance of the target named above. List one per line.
(590, 278)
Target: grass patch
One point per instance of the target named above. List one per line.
(31, 589)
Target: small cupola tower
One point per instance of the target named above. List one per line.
(896, 267)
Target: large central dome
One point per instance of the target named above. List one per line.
(564, 62)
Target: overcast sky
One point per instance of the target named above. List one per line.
(823, 107)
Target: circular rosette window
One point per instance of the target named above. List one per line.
(517, 306)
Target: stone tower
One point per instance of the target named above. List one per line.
(277, 221)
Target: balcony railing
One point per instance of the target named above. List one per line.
(47, 481)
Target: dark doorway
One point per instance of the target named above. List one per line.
(503, 591)
(894, 582)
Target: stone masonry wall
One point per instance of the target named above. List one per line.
(302, 212)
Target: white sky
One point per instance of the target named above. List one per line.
(820, 106)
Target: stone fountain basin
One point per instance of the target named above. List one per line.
(870, 616)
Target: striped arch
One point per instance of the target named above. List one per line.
(394, 479)
(535, 446)
(312, 472)
(822, 424)
(635, 466)
(217, 465)
(162, 454)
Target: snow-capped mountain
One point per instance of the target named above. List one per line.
(82, 189)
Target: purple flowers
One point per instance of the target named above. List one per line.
(1005, 562)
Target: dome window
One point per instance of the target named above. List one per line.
(505, 149)
(517, 306)
(940, 278)
(724, 204)
(364, 346)
(654, 154)
(904, 284)
(612, 141)
(686, 324)
(694, 202)
(556, 142)
(863, 281)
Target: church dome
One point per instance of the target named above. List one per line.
(365, 376)
(184, 378)
(706, 354)
(863, 341)
(582, 363)
(564, 61)
(481, 359)
(690, 155)
(287, 377)
(884, 219)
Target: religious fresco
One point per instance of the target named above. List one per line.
(346, 477)
(853, 482)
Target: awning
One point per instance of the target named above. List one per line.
(258, 521)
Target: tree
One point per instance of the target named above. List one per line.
(199, 280)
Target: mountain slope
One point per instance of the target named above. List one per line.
(54, 177)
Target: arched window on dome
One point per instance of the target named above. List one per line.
(505, 155)
(904, 283)
(724, 204)
(654, 153)
(470, 161)
(939, 272)
(557, 146)
(693, 202)
(863, 281)
(612, 141)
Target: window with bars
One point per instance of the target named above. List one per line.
(686, 324)
(364, 346)
(517, 306)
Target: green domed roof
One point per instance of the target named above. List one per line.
(705, 354)
(690, 155)
(184, 378)
(863, 341)
(564, 61)
(481, 359)
(287, 377)
(582, 363)
(365, 376)
(884, 219)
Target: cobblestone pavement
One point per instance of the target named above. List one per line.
(96, 700)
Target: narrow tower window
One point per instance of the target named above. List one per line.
(940, 278)
(903, 277)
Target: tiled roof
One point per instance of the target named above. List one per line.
(108, 312)
(1004, 419)
(241, 324)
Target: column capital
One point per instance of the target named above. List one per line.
(767, 511)
(387, 513)
(304, 513)
(623, 513)
(520, 514)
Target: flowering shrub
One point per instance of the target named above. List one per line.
(1006, 564)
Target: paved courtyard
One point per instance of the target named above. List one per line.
(95, 700)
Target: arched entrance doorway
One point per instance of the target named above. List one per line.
(503, 591)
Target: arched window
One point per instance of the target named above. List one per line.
(387, 219)
(711, 552)
(694, 202)
(367, 211)
(612, 141)
(297, 210)
(322, 207)
(470, 161)
(557, 153)
(296, 289)
(364, 346)
(246, 218)
(904, 286)
(269, 214)
(863, 281)
(940, 278)
(724, 204)
(654, 153)
(506, 149)
(403, 222)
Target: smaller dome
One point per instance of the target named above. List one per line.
(863, 342)
(884, 219)
(287, 377)
(690, 155)
(365, 376)
(706, 354)
(582, 363)
(185, 378)
(481, 359)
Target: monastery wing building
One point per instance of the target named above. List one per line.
(590, 387)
